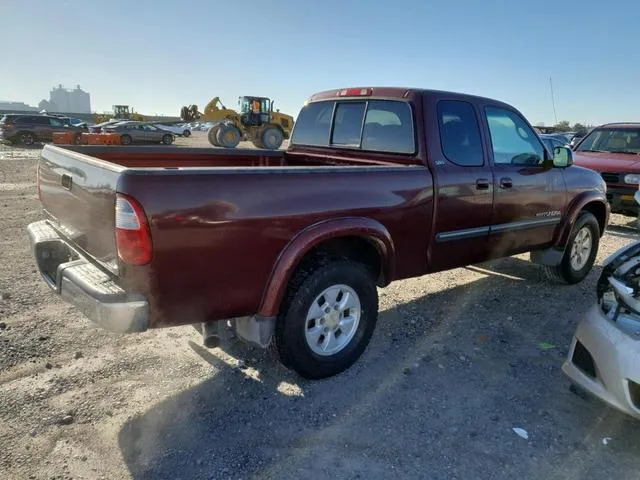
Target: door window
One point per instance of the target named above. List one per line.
(55, 123)
(460, 133)
(512, 140)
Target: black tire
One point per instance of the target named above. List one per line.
(565, 271)
(228, 136)
(167, 139)
(272, 138)
(186, 133)
(126, 140)
(27, 138)
(290, 338)
(212, 135)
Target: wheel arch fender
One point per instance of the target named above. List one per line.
(593, 202)
(314, 236)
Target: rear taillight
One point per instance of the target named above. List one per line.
(6, 125)
(133, 237)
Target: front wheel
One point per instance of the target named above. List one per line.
(327, 319)
(186, 133)
(167, 139)
(27, 138)
(126, 140)
(228, 136)
(580, 252)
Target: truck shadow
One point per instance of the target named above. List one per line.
(453, 370)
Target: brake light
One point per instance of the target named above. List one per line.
(133, 237)
(355, 92)
(6, 125)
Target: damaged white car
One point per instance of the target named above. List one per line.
(604, 358)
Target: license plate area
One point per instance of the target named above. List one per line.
(49, 256)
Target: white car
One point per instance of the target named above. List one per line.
(181, 130)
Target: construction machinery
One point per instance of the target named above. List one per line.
(256, 122)
(120, 112)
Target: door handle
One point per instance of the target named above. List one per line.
(482, 184)
(506, 182)
(67, 181)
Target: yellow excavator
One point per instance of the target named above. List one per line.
(256, 122)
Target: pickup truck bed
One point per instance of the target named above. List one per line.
(290, 245)
(208, 209)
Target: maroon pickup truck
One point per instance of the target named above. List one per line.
(613, 150)
(377, 185)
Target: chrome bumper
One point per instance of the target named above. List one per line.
(605, 361)
(84, 285)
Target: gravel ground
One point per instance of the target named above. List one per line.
(452, 368)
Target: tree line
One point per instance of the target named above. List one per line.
(565, 126)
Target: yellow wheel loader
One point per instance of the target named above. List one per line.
(256, 122)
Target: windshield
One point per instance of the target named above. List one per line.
(614, 140)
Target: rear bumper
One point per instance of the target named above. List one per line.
(604, 361)
(84, 285)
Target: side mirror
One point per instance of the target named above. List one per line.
(562, 157)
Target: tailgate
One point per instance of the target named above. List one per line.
(78, 194)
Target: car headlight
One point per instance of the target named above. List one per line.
(633, 178)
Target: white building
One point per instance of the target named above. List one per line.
(68, 100)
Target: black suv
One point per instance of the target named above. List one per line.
(28, 129)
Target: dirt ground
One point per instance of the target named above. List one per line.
(454, 365)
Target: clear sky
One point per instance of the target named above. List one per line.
(158, 55)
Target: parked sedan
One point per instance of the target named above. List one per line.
(139, 132)
(604, 357)
(182, 130)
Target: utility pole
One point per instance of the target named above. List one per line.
(553, 100)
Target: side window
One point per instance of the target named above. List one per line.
(460, 133)
(388, 127)
(347, 124)
(55, 123)
(513, 142)
(313, 124)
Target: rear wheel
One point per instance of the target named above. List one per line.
(272, 138)
(186, 133)
(167, 139)
(580, 252)
(126, 140)
(212, 135)
(27, 138)
(327, 319)
(228, 136)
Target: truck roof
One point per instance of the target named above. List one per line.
(395, 92)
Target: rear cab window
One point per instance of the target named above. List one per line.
(460, 133)
(368, 125)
